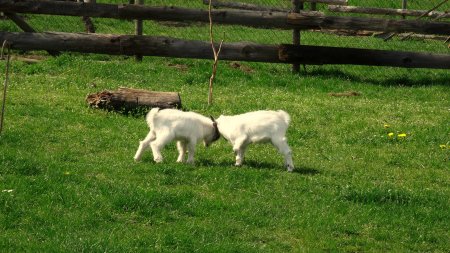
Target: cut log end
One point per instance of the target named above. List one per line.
(127, 99)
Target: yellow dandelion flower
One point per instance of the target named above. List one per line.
(401, 135)
(66, 173)
(391, 135)
(443, 146)
(386, 126)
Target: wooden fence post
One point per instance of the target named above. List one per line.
(88, 24)
(404, 6)
(297, 5)
(139, 27)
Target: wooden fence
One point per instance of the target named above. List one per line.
(388, 11)
(261, 19)
(170, 47)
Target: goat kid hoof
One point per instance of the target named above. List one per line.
(158, 160)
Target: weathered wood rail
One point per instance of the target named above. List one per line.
(242, 6)
(255, 7)
(261, 19)
(335, 2)
(170, 47)
(25, 27)
(388, 11)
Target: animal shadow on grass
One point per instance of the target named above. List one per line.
(252, 164)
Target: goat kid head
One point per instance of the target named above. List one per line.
(214, 136)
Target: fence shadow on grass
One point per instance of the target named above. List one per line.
(401, 80)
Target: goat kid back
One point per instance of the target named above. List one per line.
(257, 127)
(187, 128)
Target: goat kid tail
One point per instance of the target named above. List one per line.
(285, 116)
(151, 116)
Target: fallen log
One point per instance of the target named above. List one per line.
(260, 19)
(127, 99)
(178, 48)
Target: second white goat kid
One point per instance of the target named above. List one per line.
(257, 127)
(187, 128)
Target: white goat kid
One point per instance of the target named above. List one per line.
(257, 127)
(187, 128)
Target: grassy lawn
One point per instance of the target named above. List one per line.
(68, 181)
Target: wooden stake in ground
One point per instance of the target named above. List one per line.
(216, 56)
(5, 85)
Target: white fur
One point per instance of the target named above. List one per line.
(187, 128)
(257, 127)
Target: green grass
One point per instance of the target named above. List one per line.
(76, 187)
(68, 181)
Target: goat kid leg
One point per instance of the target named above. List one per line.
(191, 151)
(285, 150)
(157, 145)
(181, 146)
(239, 149)
(143, 145)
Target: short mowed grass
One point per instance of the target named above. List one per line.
(68, 182)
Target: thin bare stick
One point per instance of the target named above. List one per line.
(216, 53)
(5, 85)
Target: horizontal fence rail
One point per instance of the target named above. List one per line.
(260, 19)
(335, 2)
(387, 11)
(171, 47)
(242, 6)
(254, 7)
